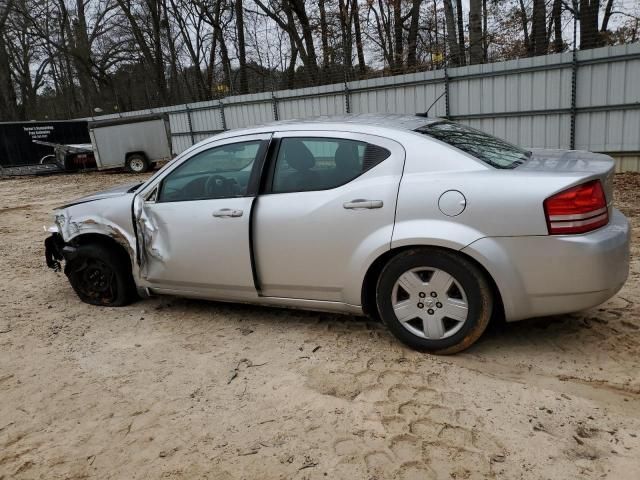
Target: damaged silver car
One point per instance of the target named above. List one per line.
(427, 224)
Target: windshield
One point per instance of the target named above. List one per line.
(489, 149)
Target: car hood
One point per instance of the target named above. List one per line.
(109, 193)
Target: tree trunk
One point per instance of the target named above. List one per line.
(324, 34)
(151, 51)
(556, 13)
(397, 34)
(81, 52)
(475, 32)
(525, 26)
(298, 6)
(452, 40)
(345, 31)
(8, 100)
(462, 59)
(226, 62)
(485, 31)
(412, 38)
(358, 33)
(589, 34)
(607, 16)
(174, 93)
(291, 69)
(539, 28)
(242, 55)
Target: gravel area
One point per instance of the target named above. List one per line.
(176, 388)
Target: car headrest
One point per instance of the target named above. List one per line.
(298, 155)
(346, 158)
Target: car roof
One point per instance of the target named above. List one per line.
(362, 122)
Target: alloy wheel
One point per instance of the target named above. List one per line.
(429, 303)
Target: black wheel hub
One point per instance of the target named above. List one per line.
(97, 280)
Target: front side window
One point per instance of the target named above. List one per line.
(307, 164)
(221, 172)
(484, 147)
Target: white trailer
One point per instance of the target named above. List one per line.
(133, 143)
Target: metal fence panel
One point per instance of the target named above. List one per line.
(311, 106)
(208, 120)
(244, 115)
(527, 101)
(627, 163)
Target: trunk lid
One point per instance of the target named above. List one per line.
(592, 165)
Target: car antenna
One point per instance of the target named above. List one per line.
(426, 114)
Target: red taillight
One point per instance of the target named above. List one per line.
(577, 210)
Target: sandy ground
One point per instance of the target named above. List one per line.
(173, 388)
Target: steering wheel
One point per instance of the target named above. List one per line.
(216, 186)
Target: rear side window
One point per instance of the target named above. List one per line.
(484, 147)
(307, 164)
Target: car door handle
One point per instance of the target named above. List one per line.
(227, 212)
(359, 203)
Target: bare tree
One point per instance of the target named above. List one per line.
(8, 99)
(452, 39)
(461, 49)
(476, 53)
(242, 55)
(589, 32)
(284, 14)
(539, 28)
(67, 57)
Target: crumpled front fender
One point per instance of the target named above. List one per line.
(109, 217)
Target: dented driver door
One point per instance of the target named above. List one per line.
(193, 226)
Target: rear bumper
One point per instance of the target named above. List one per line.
(555, 274)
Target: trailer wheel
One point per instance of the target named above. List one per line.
(137, 163)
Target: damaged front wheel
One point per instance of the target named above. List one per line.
(100, 276)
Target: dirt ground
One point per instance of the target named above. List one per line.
(174, 388)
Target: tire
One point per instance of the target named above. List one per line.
(137, 163)
(48, 160)
(429, 289)
(101, 276)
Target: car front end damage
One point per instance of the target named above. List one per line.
(104, 217)
(54, 251)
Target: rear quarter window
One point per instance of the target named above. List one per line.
(486, 148)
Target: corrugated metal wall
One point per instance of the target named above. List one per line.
(526, 101)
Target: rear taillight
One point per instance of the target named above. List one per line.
(577, 210)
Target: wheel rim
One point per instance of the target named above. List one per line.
(429, 303)
(98, 281)
(136, 164)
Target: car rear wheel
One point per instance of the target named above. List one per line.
(100, 276)
(434, 300)
(137, 163)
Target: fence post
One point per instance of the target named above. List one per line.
(222, 117)
(446, 76)
(190, 124)
(574, 84)
(274, 105)
(347, 99)
(447, 108)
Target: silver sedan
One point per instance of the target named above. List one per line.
(429, 225)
